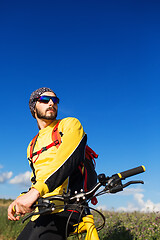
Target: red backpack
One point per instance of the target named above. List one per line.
(87, 168)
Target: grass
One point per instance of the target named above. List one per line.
(119, 226)
(131, 226)
(8, 230)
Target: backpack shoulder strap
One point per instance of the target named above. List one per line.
(56, 142)
(56, 137)
(32, 145)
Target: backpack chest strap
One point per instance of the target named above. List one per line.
(56, 142)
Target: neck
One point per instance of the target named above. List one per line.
(43, 123)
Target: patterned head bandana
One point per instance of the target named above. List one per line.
(37, 93)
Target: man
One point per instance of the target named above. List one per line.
(54, 170)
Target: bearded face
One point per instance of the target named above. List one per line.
(49, 114)
(46, 110)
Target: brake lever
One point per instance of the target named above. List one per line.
(132, 182)
(119, 187)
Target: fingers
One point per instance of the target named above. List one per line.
(22, 205)
(11, 212)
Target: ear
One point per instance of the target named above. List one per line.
(35, 113)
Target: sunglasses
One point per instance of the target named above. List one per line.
(46, 99)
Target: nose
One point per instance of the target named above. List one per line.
(51, 103)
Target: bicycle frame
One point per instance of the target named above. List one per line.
(80, 201)
(86, 226)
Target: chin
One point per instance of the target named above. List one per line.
(51, 117)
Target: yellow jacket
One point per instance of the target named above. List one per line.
(56, 169)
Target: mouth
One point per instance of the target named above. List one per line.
(51, 110)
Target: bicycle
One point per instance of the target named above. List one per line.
(79, 202)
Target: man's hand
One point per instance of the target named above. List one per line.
(22, 204)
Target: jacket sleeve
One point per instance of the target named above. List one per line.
(69, 154)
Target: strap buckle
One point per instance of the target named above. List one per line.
(56, 142)
(43, 149)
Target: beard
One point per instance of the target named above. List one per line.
(47, 115)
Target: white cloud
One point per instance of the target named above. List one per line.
(139, 204)
(1, 166)
(22, 179)
(130, 208)
(130, 191)
(136, 202)
(147, 206)
(5, 176)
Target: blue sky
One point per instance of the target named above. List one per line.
(102, 58)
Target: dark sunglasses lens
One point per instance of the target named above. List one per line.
(55, 99)
(46, 99)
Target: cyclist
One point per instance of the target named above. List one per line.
(54, 169)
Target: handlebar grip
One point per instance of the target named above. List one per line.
(131, 172)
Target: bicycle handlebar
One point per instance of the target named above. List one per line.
(111, 184)
(131, 172)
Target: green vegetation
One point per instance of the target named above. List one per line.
(8, 230)
(130, 226)
(119, 226)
